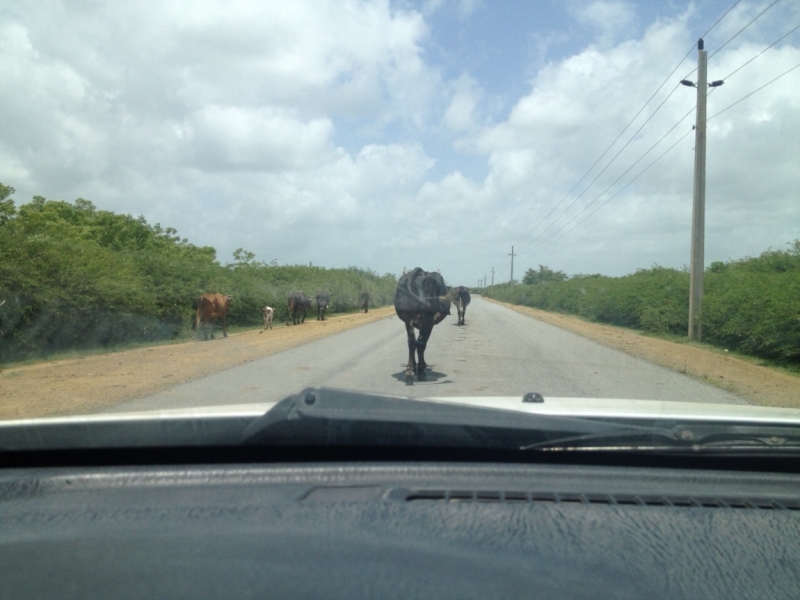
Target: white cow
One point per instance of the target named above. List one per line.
(269, 314)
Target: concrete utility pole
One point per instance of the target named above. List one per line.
(699, 195)
(511, 282)
(492, 275)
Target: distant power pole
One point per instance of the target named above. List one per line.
(511, 282)
(492, 275)
(699, 194)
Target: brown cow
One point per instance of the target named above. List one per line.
(365, 301)
(212, 306)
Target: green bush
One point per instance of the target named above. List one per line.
(750, 305)
(76, 277)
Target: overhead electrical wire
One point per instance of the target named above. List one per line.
(754, 91)
(758, 16)
(760, 53)
(657, 159)
(642, 172)
(550, 237)
(603, 170)
(560, 202)
(624, 129)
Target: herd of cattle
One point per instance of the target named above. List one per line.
(421, 300)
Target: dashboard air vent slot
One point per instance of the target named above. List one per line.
(528, 497)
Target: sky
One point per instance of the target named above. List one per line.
(390, 134)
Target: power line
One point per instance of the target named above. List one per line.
(760, 53)
(668, 132)
(754, 91)
(560, 202)
(618, 178)
(758, 16)
(603, 170)
(657, 159)
(642, 172)
(709, 31)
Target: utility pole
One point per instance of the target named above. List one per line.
(492, 275)
(511, 282)
(699, 195)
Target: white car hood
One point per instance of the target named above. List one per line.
(572, 407)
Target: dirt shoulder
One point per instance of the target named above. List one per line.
(759, 384)
(91, 383)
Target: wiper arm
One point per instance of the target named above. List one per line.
(326, 416)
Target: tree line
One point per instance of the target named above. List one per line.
(73, 276)
(751, 305)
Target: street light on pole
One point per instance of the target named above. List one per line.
(699, 193)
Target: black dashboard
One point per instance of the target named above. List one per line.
(397, 530)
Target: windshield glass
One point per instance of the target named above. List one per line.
(209, 204)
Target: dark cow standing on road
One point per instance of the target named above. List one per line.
(461, 302)
(323, 299)
(421, 300)
(365, 301)
(212, 306)
(298, 302)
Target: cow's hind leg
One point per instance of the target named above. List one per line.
(422, 341)
(411, 367)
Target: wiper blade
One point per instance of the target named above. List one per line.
(326, 416)
(704, 438)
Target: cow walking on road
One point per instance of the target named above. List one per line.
(298, 302)
(212, 306)
(269, 314)
(323, 299)
(421, 300)
(365, 301)
(461, 302)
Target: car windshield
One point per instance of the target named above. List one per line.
(592, 205)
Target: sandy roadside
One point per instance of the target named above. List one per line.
(759, 384)
(88, 384)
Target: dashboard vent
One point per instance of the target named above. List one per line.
(527, 497)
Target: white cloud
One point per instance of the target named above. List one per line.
(610, 19)
(324, 131)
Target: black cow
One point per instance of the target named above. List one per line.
(323, 299)
(461, 302)
(298, 302)
(365, 301)
(421, 300)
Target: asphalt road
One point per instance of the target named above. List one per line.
(498, 352)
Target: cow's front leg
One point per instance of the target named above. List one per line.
(224, 327)
(411, 367)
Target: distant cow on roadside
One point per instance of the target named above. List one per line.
(212, 306)
(298, 302)
(421, 300)
(323, 299)
(461, 302)
(365, 301)
(268, 313)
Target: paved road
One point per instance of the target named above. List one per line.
(498, 352)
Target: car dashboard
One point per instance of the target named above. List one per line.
(397, 529)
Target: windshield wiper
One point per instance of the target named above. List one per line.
(326, 416)
(695, 438)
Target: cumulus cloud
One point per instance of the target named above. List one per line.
(325, 131)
